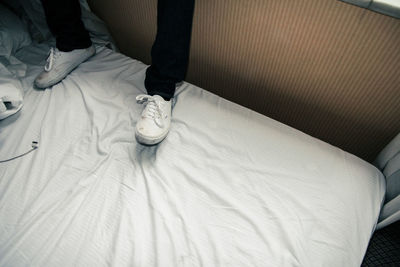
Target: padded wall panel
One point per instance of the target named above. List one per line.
(325, 67)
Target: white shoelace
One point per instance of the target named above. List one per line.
(152, 109)
(53, 54)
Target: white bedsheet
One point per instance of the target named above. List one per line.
(227, 187)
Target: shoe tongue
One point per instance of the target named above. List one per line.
(55, 50)
(158, 98)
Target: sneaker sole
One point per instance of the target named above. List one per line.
(149, 141)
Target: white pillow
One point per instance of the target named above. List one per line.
(13, 33)
(13, 36)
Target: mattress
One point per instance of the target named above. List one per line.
(227, 187)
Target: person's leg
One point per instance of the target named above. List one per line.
(72, 40)
(170, 51)
(64, 20)
(170, 54)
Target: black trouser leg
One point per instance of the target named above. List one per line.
(170, 51)
(64, 20)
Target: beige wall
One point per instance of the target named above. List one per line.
(324, 67)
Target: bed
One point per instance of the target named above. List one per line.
(227, 187)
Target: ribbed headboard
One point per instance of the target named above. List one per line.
(325, 67)
(389, 162)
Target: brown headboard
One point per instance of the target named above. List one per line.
(325, 67)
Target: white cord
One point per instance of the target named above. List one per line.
(35, 145)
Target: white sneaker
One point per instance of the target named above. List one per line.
(60, 64)
(155, 121)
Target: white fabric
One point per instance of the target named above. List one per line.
(11, 92)
(227, 187)
(11, 99)
(13, 36)
(389, 162)
(13, 33)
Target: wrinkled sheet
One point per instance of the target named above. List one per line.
(227, 187)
